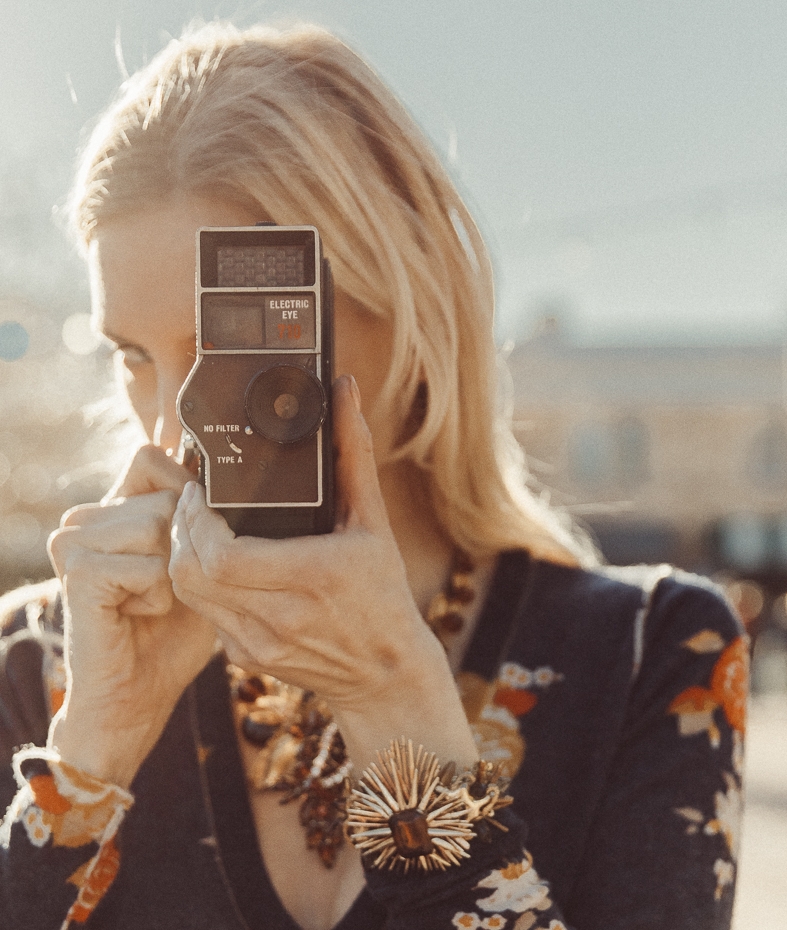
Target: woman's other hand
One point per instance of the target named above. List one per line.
(131, 646)
(334, 613)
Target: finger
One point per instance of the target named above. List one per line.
(359, 498)
(154, 601)
(137, 583)
(157, 508)
(151, 537)
(237, 655)
(225, 606)
(151, 469)
(205, 552)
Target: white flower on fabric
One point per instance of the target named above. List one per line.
(729, 814)
(501, 715)
(37, 831)
(495, 922)
(737, 753)
(517, 888)
(463, 921)
(515, 676)
(725, 873)
(544, 676)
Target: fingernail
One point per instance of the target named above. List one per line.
(188, 493)
(355, 393)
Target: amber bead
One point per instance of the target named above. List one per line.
(256, 731)
(249, 689)
(452, 622)
(410, 832)
(461, 592)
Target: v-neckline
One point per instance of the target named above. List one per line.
(225, 794)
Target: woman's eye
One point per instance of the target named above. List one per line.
(132, 355)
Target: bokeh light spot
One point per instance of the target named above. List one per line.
(14, 340)
(20, 531)
(79, 336)
(31, 483)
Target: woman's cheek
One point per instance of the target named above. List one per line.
(139, 385)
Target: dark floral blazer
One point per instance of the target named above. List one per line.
(616, 698)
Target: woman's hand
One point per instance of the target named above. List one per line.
(334, 613)
(131, 647)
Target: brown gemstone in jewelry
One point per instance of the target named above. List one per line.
(249, 689)
(410, 832)
(452, 622)
(461, 590)
(258, 731)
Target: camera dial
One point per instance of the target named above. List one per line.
(285, 403)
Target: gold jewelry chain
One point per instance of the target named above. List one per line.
(298, 749)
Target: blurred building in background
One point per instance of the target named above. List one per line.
(665, 454)
(56, 426)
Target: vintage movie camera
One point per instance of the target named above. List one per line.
(258, 400)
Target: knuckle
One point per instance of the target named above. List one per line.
(80, 566)
(55, 546)
(74, 516)
(365, 440)
(217, 564)
(168, 500)
(145, 456)
(159, 528)
(160, 595)
(178, 569)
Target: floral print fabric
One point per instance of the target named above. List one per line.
(61, 806)
(518, 899)
(495, 708)
(629, 786)
(698, 710)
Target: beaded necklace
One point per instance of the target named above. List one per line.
(298, 748)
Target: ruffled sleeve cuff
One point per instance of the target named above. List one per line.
(59, 838)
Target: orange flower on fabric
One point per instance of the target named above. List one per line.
(694, 709)
(728, 688)
(494, 708)
(46, 795)
(517, 701)
(730, 682)
(56, 698)
(76, 807)
(67, 807)
(93, 880)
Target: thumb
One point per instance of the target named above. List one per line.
(359, 499)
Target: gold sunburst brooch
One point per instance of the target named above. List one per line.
(407, 812)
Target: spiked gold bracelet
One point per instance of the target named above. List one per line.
(407, 812)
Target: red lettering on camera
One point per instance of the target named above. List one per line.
(289, 330)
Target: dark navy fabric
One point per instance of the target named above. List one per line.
(605, 773)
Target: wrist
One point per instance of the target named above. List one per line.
(418, 699)
(96, 747)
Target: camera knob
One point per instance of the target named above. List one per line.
(285, 403)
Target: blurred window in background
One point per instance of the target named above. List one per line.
(768, 460)
(610, 455)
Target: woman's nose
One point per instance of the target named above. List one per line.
(169, 430)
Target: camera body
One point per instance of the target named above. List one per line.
(257, 402)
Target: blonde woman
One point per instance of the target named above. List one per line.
(210, 757)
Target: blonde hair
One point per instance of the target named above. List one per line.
(296, 127)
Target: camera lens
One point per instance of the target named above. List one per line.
(285, 403)
(286, 406)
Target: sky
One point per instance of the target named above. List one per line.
(625, 160)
